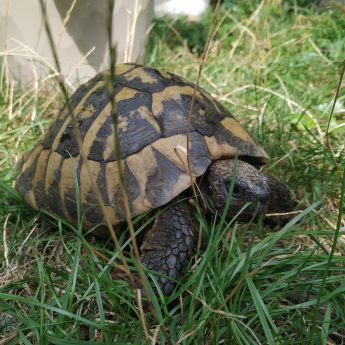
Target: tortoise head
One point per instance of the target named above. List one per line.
(250, 195)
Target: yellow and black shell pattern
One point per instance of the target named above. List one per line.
(152, 107)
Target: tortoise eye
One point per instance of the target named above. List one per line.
(236, 191)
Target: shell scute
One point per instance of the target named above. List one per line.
(143, 79)
(172, 106)
(163, 181)
(52, 181)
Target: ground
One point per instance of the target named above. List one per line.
(276, 66)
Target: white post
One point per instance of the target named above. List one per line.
(80, 34)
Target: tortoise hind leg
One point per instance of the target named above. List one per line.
(169, 245)
(280, 202)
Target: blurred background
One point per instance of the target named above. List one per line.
(80, 34)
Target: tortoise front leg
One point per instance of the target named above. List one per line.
(169, 245)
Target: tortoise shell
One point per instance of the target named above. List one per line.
(152, 108)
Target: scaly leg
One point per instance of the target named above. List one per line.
(169, 245)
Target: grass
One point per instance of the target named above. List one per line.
(276, 67)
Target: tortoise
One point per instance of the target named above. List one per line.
(153, 112)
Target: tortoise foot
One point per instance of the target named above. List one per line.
(169, 245)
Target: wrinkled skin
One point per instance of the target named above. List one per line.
(250, 186)
(171, 242)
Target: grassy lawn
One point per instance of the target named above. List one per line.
(277, 68)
